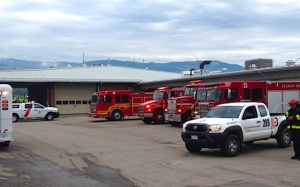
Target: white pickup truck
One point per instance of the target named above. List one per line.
(227, 126)
(33, 111)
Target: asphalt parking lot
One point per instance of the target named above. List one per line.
(74, 150)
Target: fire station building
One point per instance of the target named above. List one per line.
(70, 89)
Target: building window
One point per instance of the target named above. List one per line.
(78, 102)
(71, 102)
(58, 102)
(65, 102)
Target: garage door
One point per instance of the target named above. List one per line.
(73, 98)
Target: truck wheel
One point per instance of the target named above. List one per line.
(284, 138)
(158, 117)
(49, 117)
(147, 120)
(175, 124)
(15, 117)
(5, 144)
(232, 146)
(117, 115)
(193, 148)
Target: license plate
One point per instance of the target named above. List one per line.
(194, 137)
(170, 118)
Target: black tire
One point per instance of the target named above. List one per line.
(147, 120)
(284, 138)
(158, 117)
(232, 146)
(175, 124)
(249, 143)
(5, 144)
(49, 117)
(193, 148)
(117, 115)
(15, 117)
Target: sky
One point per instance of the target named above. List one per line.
(160, 31)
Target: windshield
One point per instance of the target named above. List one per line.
(224, 112)
(158, 95)
(190, 90)
(95, 99)
(201, 95)
(209, 95)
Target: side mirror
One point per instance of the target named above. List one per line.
(228, 94)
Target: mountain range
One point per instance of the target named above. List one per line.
(215, 65)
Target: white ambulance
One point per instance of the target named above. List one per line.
(5, 114)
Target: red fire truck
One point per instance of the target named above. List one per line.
(116, 104)
(154, 110)
(275, 94)
(179, 108)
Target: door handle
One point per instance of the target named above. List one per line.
(258, 122)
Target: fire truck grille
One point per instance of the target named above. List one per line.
(197, 127)
(203, 109)
(92, 110)
(171, 106)
(141, 109)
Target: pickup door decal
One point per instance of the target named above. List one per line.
(266, 122)
(27, 113)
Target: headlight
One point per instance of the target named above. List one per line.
(179, 110)
(215, 128)
(184, 125)
(195, 112)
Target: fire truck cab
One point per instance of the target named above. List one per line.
(179, 108)
(275, 94)
(154, 110)
(116, 104)
(6, 114)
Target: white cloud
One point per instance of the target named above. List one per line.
(159, 30)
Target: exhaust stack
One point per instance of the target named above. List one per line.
(204, 63)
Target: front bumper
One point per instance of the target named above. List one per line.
(93, 115)
(173, 117)
(203, 139)
(146, 115)
(56, 115)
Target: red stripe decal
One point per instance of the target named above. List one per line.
(27, 113)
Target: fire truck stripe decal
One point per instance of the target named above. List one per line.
(27, 112)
